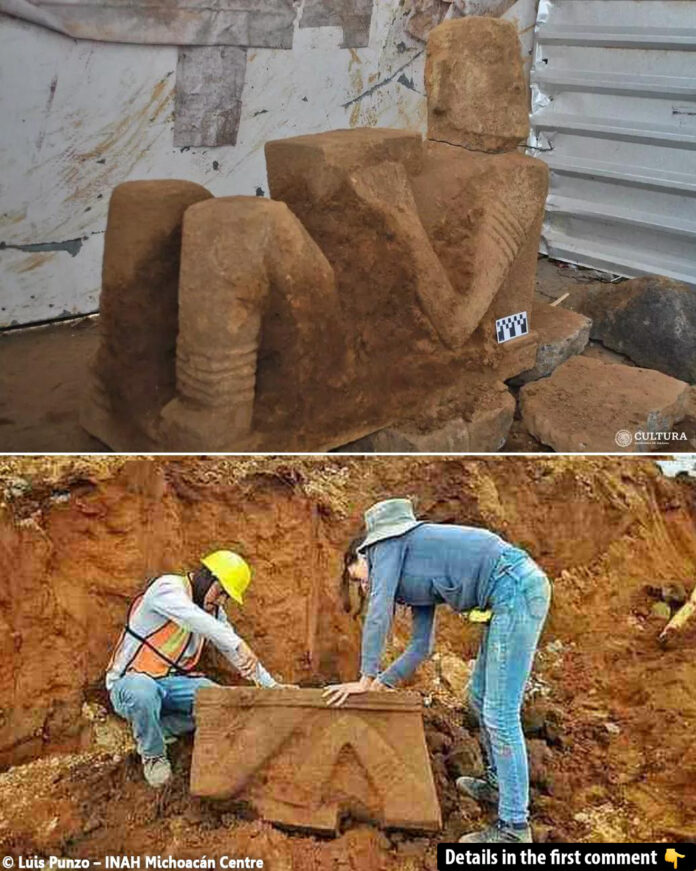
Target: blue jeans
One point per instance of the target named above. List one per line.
(156, 708)
(520, 601)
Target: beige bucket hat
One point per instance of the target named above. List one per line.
(388, 519)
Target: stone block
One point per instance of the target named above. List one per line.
(133, 374)
(477, 423)
(585, 403)
(561, 333)
(260, 326)
(687, 426)
(691, 406)
(256, 301)
(307, 169)
(652, 320)
(600, 352)
(408, 325)
(517, 355)
(447, 243)
(474, 79)
(304, 765)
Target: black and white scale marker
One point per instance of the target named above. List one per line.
(512, 326)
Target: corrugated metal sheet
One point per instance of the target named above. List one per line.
(614, 116)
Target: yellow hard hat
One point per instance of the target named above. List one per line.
(231, 571)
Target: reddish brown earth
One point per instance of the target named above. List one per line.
(609, 725)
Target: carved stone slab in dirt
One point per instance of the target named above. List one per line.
(585, 403)
(562, 333)
(652, 320)
(302, 764)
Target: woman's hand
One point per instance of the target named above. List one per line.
(376, 686)
(336, 694)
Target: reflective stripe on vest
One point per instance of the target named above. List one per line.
(164, 652)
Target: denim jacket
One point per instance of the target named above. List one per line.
(433, 564)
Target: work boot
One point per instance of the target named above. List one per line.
(477, 788)
(157, 770)
(499, 833)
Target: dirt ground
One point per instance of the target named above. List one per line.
(43, 371)
(42, 375)
(610, 712)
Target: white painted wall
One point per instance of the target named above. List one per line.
(79, 117)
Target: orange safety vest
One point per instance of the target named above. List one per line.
(161, 652)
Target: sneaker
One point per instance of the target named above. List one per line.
(477, 788)
(157, 770)
(499, 834)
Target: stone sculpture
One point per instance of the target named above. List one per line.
(302, 764)
(364, 293)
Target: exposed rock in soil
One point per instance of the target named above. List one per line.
(456, 674)
(464, 759)
(539, 757)
(541, 719)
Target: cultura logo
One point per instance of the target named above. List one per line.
(623, 438)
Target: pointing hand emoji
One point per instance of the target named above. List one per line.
(671, 855)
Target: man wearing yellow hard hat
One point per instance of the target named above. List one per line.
(151, 678)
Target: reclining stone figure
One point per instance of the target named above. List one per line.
(365, 291)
